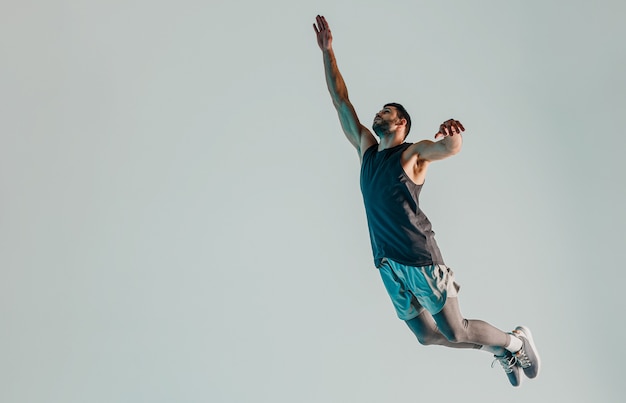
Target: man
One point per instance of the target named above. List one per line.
(421, 287)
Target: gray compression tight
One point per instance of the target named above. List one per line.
(449, 328)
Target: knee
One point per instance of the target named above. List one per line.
(433, 338)
(453, 337)
(429, 339)
(457, 333)
(426, 335)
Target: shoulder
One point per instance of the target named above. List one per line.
(416, 150)
(366, 143)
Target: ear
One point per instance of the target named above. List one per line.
(402, 122)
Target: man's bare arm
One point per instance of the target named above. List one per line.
(428, 151)
(360, 137)
(417, 158)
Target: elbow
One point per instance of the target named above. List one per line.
(340, 99)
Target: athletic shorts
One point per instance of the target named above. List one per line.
(413, 289)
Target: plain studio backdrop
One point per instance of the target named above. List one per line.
(181, 221)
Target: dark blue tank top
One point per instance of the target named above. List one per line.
(398, 228)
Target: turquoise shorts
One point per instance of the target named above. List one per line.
(413, 289)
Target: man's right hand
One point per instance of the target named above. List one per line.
(324, 36)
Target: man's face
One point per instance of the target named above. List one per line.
(385, 120)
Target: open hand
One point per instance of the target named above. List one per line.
(324, 36)
(449, 128)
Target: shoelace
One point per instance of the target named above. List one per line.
(523, 359)
(507, 362)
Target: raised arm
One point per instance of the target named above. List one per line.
(358, 135)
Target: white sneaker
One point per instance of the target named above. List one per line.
(527, 357)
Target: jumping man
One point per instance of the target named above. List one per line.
(421, 287)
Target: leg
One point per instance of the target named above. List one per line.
(425, 329)
(457, 329)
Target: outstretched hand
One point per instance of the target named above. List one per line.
(449, 128)
(324, 36)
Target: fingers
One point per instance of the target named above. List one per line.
(441, 132)
(321, 20)
(449, 128)
(459, 126)
(322, 25)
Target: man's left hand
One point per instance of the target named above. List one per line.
(449, 128)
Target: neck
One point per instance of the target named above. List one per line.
(389, 141)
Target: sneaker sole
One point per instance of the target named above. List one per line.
(529, 336)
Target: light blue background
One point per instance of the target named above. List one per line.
(180, 217)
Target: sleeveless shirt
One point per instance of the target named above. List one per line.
(399, 230)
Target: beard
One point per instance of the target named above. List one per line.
(380, 127)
